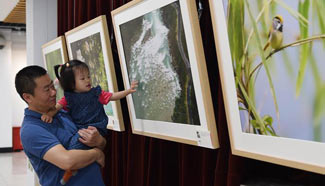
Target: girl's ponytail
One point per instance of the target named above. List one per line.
(56, 70)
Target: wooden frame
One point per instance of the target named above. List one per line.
(296, 153)
(90, 42)
(153, 108)
(54, 53)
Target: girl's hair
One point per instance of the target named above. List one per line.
(66, 72)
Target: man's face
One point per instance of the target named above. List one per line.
(44, 97)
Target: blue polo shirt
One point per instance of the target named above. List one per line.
(38, 137)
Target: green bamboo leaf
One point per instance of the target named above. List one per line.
(242, 108)
(260, 50)
(319, 99)
(251, 107)
(294, 13)
(320, 7)
(269, 130)
(255, 124)
(236, 32)
(288, 65)
(268, 119)
(251, 89)
(315, 72)
(273, 8)
(303, 8)
(319, 104)
(263, 11)
(239, 67)
(261, 5)
(319, 111)
(323, 100)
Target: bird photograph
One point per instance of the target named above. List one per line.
(275, 36)
(278, 51)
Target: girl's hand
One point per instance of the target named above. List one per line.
(46, 118)
(134, 85)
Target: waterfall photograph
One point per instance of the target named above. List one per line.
(156, 56)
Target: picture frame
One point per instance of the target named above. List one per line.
(279, 149)
(55, 53)
(90, 43)
(173, 99)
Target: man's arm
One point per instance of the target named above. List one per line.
(73, 159)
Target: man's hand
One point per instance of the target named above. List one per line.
(47, 118)
(91, 137)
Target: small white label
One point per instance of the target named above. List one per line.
(110, 121)
(204, 138)
(116, 125)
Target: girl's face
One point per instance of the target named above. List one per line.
(82, 78)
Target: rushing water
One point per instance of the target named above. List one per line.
(150, 64)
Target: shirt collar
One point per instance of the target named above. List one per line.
(32, 113)
(35, 114)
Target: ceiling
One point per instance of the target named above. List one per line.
(13, 11)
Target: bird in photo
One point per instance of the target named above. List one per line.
(275, 36)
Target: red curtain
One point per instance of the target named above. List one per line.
(134, 160)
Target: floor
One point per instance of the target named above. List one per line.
(13, 169)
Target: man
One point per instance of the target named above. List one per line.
(46, 145)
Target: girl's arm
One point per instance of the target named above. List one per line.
(124, 93)
(54, 111)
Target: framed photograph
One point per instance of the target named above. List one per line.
(271, 61)
(160, 46)
(55, 53)
(90, 43)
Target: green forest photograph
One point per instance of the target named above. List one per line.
(51, 59)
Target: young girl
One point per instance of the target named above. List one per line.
(83, 102)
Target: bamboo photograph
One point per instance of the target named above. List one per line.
(278, 51)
